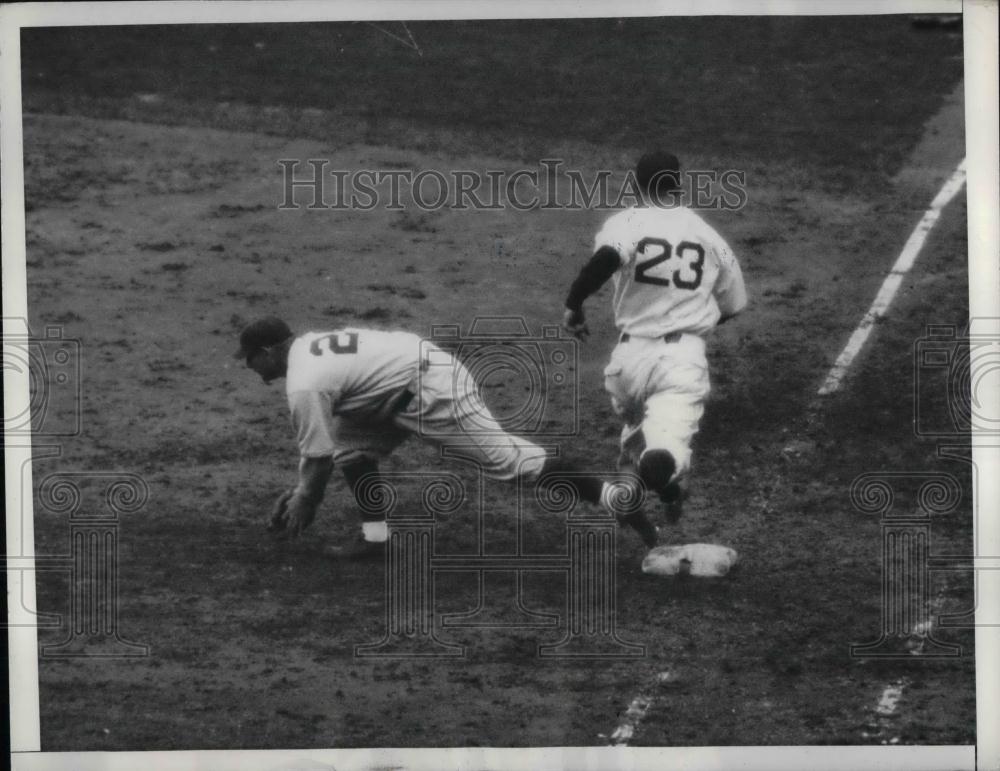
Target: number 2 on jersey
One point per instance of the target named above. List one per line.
(694, 254)
(338, 342)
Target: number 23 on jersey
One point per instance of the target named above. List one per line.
(687, 276)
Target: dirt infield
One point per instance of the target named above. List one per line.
(152, 244)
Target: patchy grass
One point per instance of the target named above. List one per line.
(807, 90)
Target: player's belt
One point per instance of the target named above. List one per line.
(671, 337)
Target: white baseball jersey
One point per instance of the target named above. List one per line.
(343, 391)
(677, 273)
(355, 373)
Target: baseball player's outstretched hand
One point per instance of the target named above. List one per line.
(575, 324)
(290, 515)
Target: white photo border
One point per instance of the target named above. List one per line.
(980, 23)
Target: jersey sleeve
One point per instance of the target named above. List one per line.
(312, 419)
(729, 290)
(617, 235)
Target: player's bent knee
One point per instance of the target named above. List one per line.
(656, 469)
(358, 467)
(367, 487)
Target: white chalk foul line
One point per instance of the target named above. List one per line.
(636, 712)
(886, 708)
(885, 713)
(887, 705)
(633, 716)
(890, 699)
(893, 281)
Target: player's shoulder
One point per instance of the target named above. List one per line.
(309, 368)
(708, 232)
(622, 217)
(302, 343)
(300, 360)
(385, 336)
(622, 228)
(674, 215)
(304, 355)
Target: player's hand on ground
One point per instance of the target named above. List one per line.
(575, 324)
(277, 519)
(290, 515)
(300, 515)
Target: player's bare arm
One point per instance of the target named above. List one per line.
(295, 509)
(314, 473)
(591, 278)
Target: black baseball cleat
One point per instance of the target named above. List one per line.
(673, 502)
(358, 549)
(639, 522)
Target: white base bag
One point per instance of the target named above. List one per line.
(704, 560)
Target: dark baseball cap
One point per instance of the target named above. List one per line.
(262, 333)
(661, 168)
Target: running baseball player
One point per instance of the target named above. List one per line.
(357, 394)
(674, 279)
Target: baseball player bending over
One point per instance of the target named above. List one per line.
(356, 394)
(674, 280)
